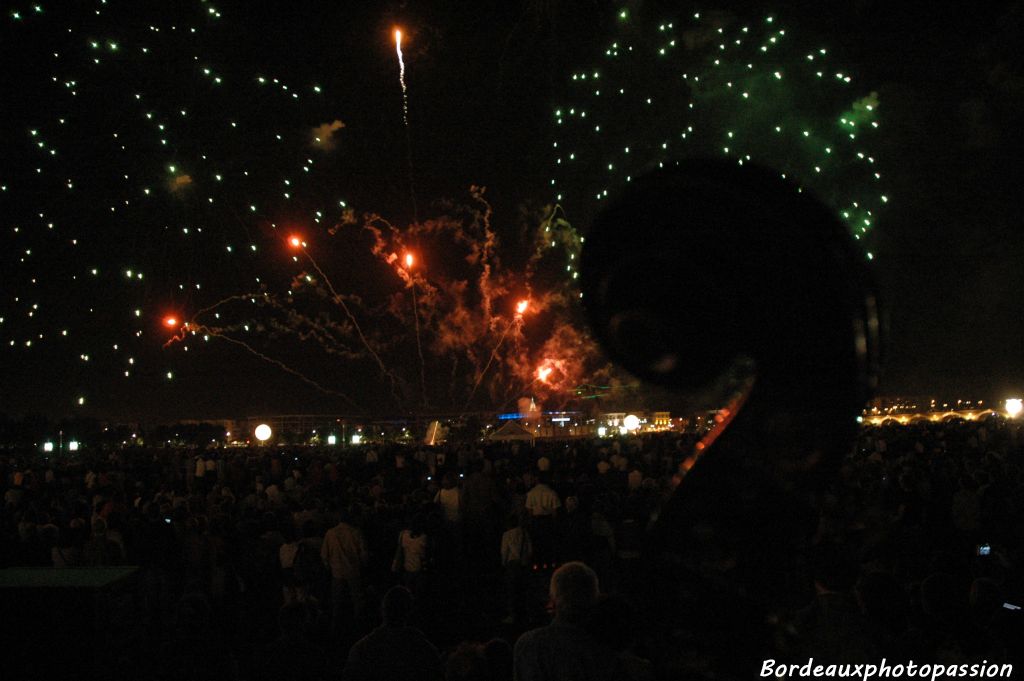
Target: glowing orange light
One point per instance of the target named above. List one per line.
(543, 373)
(398, 36)
(295, 241)
(409, 260)
(170, 322)
(521, 306)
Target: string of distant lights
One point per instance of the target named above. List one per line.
(711, 85)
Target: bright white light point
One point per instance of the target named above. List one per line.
(47, 446)
(631, 422)
(81, 401)
(263, 432)
(1013, 407)
(332, 439)
(73, 446)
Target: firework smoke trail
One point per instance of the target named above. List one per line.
(412, 198)
(416, 316)
(480, 376)
(486, 249)
(341, 301)
(521, 308)
(189, 327)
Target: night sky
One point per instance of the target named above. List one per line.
(187, 143)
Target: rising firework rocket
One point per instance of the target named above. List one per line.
(405, 119)
(401, 76)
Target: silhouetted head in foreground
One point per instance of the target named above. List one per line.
(573, 592)
(396, 608)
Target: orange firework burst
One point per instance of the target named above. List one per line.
(522, 306)
(296, 242)
(544, 372)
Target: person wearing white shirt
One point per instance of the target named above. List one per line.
(344, 553)
(542, 503)
(516, 554)
(450, 498)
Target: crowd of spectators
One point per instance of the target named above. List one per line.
(480, 561)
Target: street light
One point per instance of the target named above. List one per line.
(1013, 406)
(263, 432)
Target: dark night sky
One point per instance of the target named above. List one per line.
(483, 79)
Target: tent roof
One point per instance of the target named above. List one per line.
(511, 431)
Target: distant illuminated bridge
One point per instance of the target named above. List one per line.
(906, 410)
(904, 418)
(935, 417)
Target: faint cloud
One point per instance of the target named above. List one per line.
(178, 183)
(323, 135)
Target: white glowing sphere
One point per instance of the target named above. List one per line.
(1013, 407)
(631, 422)
(47, 446)
(263, 432)
(602, 431)
(332, 439)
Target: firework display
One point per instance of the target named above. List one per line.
(221, 215)
(710, 84)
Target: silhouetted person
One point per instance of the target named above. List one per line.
(467, 663)
(292, 656)
(614, 624)
(395, 650)
(564, 650)
(832, 627)
(344, 553)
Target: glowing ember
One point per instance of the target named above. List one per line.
(170, 322)
(543, 373)
(521, 306)
(409, 260)
(295, 241)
